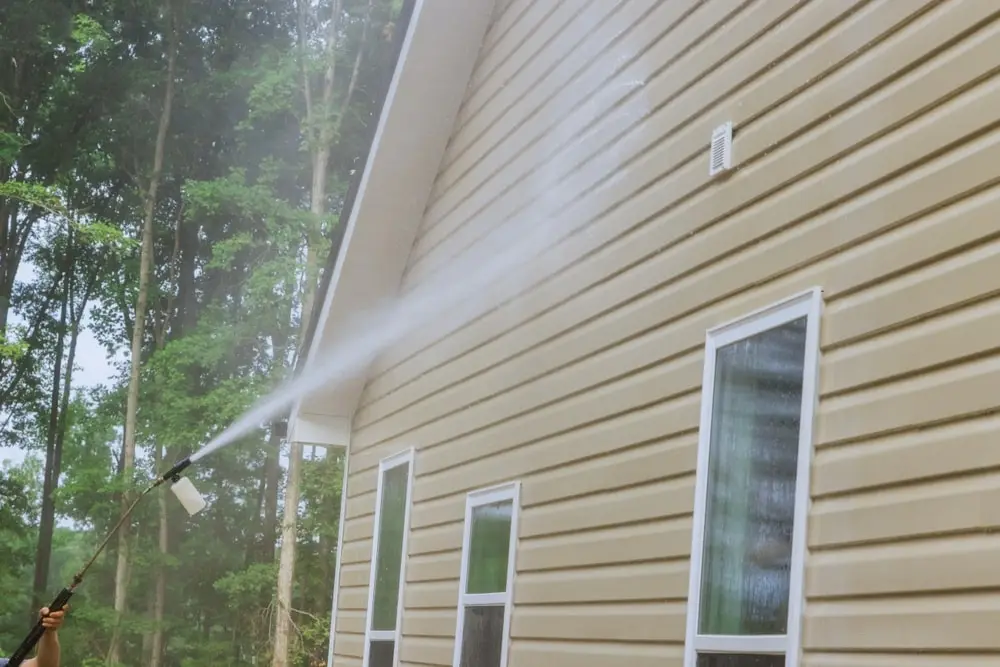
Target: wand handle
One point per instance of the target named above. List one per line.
(38, 630)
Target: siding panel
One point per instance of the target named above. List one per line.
(600, 29)
(658, 580)
(632, 213)
(528, 653)
(867, 153)
(666, 47)
(622, 622)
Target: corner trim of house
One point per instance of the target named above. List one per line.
(335, 602)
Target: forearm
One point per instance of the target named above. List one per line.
(48, 650)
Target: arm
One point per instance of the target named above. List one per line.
(48, 645)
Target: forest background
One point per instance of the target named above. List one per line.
(172, 176)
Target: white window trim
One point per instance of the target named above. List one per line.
(510, 491)
(807, 304)
(385, 465)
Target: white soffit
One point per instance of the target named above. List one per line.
(435, 64)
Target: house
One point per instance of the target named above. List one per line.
(665, 334)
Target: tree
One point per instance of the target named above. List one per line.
(18, 512)
(250, 181)
(80, 271)
(139, 323)
(323, 121)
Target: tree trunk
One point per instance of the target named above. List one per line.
(46, 525)
(253, 549)
(147, 639)
(77, 309)
(328, 126)
(11, 371)
(320, 161)
(138, 327)
(160, 333)
(272, 475)
(329, 132)
(286, 563)
(280, 341)
(160, 601)
(7, 268)
(11, 250)
(67, 390)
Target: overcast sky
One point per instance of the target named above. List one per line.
(93, 368)
(92, 365)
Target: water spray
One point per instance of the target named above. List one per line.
(186, 493)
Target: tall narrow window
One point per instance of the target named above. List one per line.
(752, 492)
(487, 578)
(392, 521)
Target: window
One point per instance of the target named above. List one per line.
(486, 584)
(752, 491)
(392, 521)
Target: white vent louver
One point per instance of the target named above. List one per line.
(721, 158)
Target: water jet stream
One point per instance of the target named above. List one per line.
(499, 257)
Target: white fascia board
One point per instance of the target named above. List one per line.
(435, 65)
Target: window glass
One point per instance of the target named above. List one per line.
(390, 547)
(482, 637)
(753, 458)
(738, 660)
(489, 548)
(380, 653)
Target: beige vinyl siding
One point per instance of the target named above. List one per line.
(867, 150)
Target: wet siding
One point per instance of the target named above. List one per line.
(867, 146)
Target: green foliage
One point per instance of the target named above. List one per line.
(13, 346)
(78, 123)
(19, 492)
(33, 194)
(90, 34)
(10, 147)
(106, 235)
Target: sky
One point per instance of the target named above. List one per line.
(93, 368)
(92, 365)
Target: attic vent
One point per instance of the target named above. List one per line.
(721, 158)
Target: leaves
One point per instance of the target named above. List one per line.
(13, 345)
(78, 117)
(10, 147)
(90, 34)
(34, 194)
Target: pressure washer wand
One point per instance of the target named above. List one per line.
(29, 642)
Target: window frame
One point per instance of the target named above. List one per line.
(406, 456)
(502, 492)
(808, 304)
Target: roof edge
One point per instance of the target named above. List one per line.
(399, 34)
(435, 63)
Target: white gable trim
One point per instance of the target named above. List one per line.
(435, 64)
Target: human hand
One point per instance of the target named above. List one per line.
(54, 620)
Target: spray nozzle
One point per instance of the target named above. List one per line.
(175, 472)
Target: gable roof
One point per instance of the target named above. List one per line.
(435, 63)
